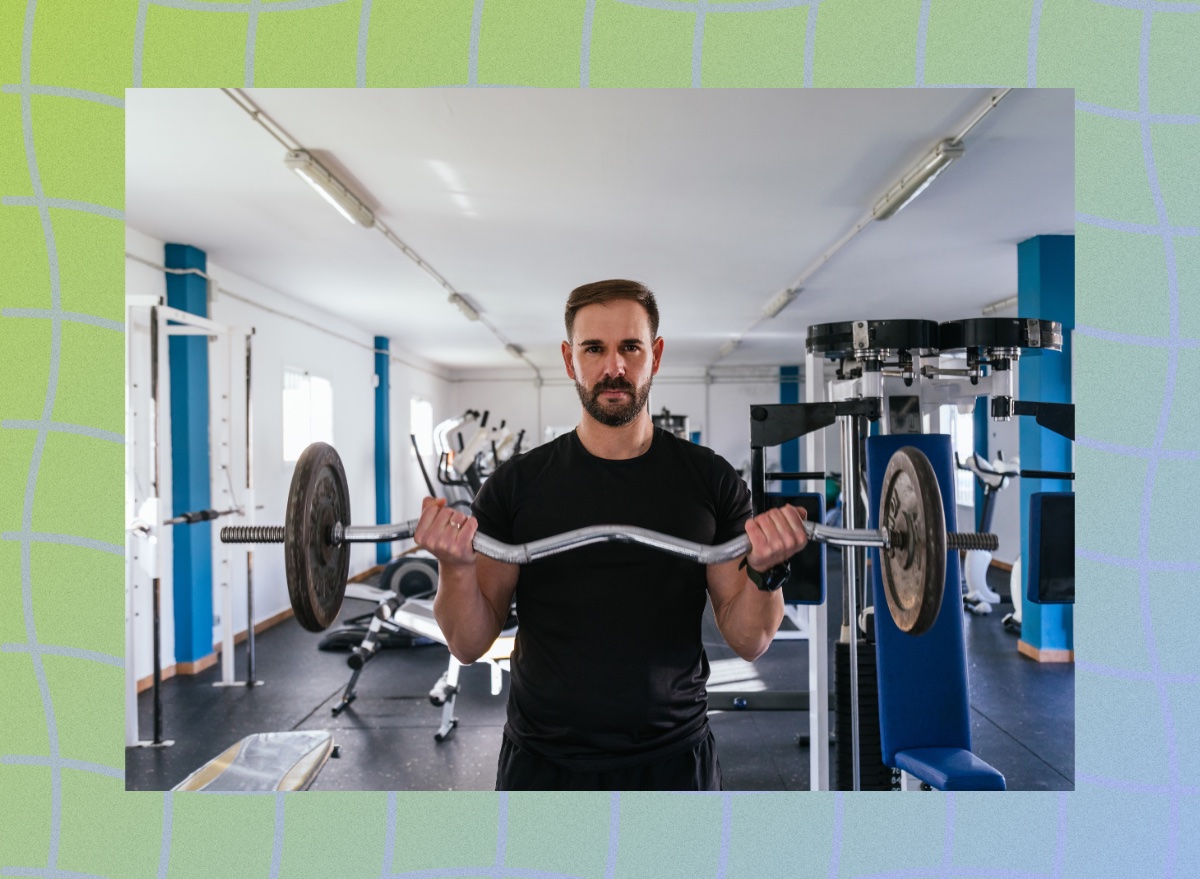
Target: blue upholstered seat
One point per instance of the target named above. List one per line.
(949, 769)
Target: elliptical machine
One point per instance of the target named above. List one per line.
(993, 476)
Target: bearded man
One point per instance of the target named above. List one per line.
(607, 690)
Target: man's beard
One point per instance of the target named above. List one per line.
(612, 415)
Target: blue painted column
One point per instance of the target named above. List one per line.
(188, 357)
(789, 452)
(1045, 289)
(383, 455)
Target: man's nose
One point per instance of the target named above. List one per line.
(614, 366)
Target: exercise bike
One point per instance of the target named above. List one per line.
(979, 598)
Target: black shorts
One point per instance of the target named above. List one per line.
(694, 768)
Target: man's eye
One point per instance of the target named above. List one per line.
(592, 349)
(632, 348)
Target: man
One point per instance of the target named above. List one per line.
(607, 690)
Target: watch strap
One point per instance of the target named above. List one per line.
(768, 581)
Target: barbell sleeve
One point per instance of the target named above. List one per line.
(252, 534)
(969, 540)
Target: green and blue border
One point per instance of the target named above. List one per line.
(64, 68)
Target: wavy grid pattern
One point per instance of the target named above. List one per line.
(63, 812)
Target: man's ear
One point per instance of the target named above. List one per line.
(566, 355)
(657, 350)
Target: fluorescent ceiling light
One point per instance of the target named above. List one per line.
(920, 176)
(780, 302)
(464, 306)
(728, 348)
(329, 188)
(1001, 305)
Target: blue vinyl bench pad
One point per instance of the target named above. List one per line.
(949, 769)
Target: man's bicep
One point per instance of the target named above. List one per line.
(497, 583)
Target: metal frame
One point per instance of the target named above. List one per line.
(165, 321)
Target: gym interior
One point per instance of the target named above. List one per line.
(342, 302)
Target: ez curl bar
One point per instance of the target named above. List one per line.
(912, 541)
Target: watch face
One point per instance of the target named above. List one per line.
(776, 577)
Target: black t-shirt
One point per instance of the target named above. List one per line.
(609, 668)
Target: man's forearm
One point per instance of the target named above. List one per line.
(750, 620)
(467, 620)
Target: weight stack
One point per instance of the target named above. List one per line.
(873, 775)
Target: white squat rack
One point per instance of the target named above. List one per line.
(147, 488)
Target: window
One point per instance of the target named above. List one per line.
(420, 423)
(307, 412)
(961, 427)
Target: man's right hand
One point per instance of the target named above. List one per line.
(446, 533)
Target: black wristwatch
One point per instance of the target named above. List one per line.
(768, 581)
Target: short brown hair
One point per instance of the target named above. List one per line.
(607, 291)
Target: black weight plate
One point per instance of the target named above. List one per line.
(1000, 332)
(316, 568)
(914, 566)
(837, 339)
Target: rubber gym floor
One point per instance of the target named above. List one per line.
(1022, 712)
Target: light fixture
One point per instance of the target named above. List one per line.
(1000, 305)
(515, 350)
(781, 301)
(469, 311)
(920, 176)
(329, 188)
(728, 348)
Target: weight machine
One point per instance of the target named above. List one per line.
(462, 470)
(890, 374)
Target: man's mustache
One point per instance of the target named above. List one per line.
(612, 384)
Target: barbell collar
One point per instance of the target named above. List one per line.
(846, 536)
(374, 533)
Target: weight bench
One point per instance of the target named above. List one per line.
(279, 761)
(416, 615)
(445, 690)
(924, 702)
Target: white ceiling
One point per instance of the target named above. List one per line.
(716, 199)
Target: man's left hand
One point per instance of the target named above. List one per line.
(776, 536)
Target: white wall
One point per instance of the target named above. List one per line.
(287, 334)
(720, 411)
(408, 380)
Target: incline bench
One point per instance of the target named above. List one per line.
(278, 761)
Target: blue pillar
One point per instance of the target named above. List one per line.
(188, 357)
(1045, 289)
(789, 452)
(383, 457)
